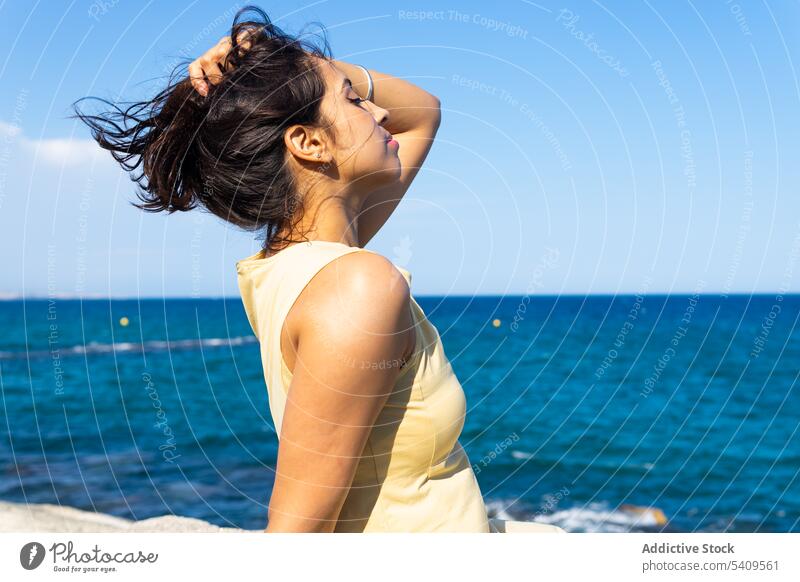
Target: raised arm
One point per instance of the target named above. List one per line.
(353, 314)
(414, 118)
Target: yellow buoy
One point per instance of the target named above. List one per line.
(496, 323)
(653, 512)
(123, 321)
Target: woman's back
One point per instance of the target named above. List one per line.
(413, 474)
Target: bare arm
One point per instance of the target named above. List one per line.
(414, 118)
(357, 313)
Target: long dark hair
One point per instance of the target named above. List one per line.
(224, 151)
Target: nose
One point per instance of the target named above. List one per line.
(381, 114)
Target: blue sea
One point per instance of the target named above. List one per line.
(671, 413)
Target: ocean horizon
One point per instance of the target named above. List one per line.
(84, 297)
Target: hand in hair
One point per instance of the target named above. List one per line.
(209, 67)
(223, 150)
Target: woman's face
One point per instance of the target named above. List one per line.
(361, 150)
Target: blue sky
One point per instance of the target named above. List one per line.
(586, 147)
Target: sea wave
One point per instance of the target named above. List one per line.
(124, 347)
(593, 517)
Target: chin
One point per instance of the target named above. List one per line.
(395, 172)
(390, 172)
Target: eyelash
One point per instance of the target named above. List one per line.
(357, 101)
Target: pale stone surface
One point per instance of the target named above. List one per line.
(497, 525)
(18, 517)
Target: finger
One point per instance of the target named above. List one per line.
(244, 38)
(219, 50)
(212, 72)
(213, 57)
(197, 78)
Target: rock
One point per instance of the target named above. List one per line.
(174, 523)
(19, 517)
(497, 525)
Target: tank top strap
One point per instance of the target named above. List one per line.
(296, 272)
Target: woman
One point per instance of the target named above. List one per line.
(274, 135)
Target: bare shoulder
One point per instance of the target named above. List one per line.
(355, 310)
(361, 285)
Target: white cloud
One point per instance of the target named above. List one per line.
(68, 152)
(9, 130)
(54, 151)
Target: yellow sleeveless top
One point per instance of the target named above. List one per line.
(413, 475)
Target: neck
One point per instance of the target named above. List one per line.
(333, 217)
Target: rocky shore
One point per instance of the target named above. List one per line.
(19, 517)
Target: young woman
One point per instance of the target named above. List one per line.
(272, 134)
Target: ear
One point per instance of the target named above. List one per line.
(306, 143)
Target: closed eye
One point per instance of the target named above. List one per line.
(357, 101)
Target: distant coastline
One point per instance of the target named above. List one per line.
(69, 297)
